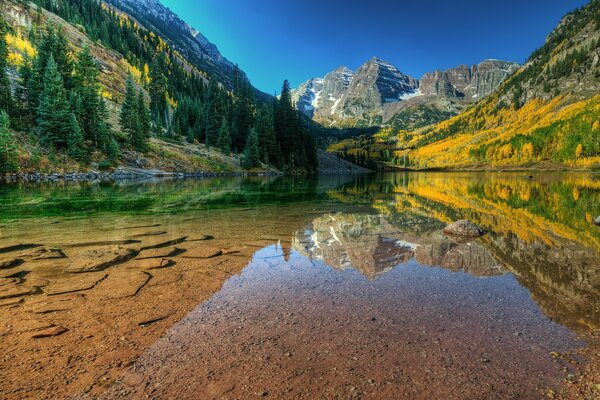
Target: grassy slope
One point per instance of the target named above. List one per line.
(114, 70)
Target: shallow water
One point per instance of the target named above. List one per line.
(332, 287)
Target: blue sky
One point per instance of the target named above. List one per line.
(273, 40)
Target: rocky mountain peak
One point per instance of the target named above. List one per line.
(378, 91)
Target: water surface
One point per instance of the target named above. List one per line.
(329, 287)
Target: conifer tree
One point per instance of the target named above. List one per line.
(144, 114)
(129, 108)
(75, 144)
(269, 150)
(214, 113)
(6, 102)
(8, 147)
(131, 116)
(62, 57)
(159, 109)
(224, 136)
(252, 152)
(87, 87)
(53, 114)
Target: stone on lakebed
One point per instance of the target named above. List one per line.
(464, 228)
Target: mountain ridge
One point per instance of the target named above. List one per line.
(377, 92)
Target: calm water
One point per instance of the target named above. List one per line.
(332, 287)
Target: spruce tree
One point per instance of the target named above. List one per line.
(75, 144)
(131, 116)
(8, 147)
(252, 152)
(6, 102)
(224, 136)
(144, 114)
(214, 113)
(129, 108)
(286, 126)
(35, 83)
(62, 56)
(87, 87)
(269, 151)
(159, 109)
(53, 114)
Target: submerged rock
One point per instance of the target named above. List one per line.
(464, 228)
(100, 260)
(8, 264)
(54, 331)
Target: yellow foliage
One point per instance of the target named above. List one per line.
(596, 126)
(146, 74)
(506, 151)
(579, 150)
(485, 125)
(20, 44)
(107, 95)
(527, 151)
(15, 59)
(171, 101)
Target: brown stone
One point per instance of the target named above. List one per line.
(101, 260)
(54, 331)
(10, 291)
(76, 284)
(11, 263)
(150, 264)
(203, 252)
(464, 228)
(122, 284)
(159, 253)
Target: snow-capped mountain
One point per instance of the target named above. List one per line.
(378, 92)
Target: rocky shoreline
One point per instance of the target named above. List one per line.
(121, 174)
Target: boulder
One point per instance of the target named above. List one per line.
(597, 221)
(464, 228)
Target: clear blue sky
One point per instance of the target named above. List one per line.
(273, 40)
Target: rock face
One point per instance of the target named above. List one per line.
(466, 83)
(318, 97)
(464, 228)
(378, 91)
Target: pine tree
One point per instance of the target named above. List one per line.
(144, 115)
(75, 144)
(8, 147)
(224, 136)
(286, 126)
(53, 114)
(131, 116)
(252, 152)
(269, 150)
(214, 113)
(87, 87)
(62, 57)
(6, 101)
(129, 108)
(159, 109)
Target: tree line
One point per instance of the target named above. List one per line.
(58, 96)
